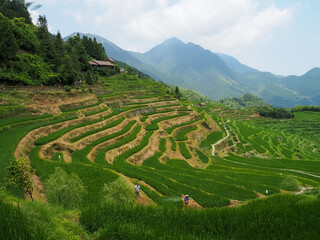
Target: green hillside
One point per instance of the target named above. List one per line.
(131, 128)
(217, 75)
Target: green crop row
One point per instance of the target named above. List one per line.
(55, 135)
(81, 154)
(109, 95)
(170, 129)
(100, 158)
(96, 112)
(184, 150)
(152, 113)
(154, 123)
(143, 143)
(143, 119)
(212, 138)
(67, 108)
(173, 144)
(85, 134)
(148, 102)
(9, 121)
(166, 106)
(162, 146)
(181, 136)
(204, 158)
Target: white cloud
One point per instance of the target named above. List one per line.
(216, 24)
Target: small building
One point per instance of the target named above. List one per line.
(104, 64)
(202, 104)
(109, 59)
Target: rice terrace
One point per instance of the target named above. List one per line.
(133, 129)
(93, 147)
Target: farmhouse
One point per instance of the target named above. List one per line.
(108, 63)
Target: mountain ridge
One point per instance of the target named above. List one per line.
(217, 75)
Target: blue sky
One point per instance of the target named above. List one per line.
(279, 36)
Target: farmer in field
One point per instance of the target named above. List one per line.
(186, 200)
(137, 189)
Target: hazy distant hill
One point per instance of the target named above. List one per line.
(217, 75)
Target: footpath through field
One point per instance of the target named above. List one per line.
(228, 134)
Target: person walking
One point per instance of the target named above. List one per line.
(137, 189)
(186, 200)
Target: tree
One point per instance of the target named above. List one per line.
(8, 44)
(15, 9)
(117, 192)
(177, 93)
(20, 174)
(64, 189)
(59, 48)
(67, 70)
(46, 45)
(25, 35)
(290, 183)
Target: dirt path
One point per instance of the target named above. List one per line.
(217, 143)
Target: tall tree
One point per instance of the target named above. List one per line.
(46, 44)
(8, 44)
(15, 9)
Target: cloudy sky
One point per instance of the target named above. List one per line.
(280, 36)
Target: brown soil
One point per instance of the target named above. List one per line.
(171, 154)
(179, 120)
(110, 155)
(146, 152)
(46, 103)
(260, 195)
(235, 203)
(164, 103)
(38, 193)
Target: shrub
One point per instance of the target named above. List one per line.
(64, 190)
(117, 192)
(290, 183)
(67, 88)
(20, 173)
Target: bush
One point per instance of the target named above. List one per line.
(20, 173)
(290, 183)
(67, 88)
(117, 192)
(64, 190)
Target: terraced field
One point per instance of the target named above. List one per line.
(133, 128)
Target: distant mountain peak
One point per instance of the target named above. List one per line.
(173, 41)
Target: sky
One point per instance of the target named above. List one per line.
(278, 36)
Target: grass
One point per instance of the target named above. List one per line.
(272, 218)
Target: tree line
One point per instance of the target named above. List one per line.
(31, 55)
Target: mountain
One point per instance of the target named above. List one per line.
(217, 75)
(234, 64)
